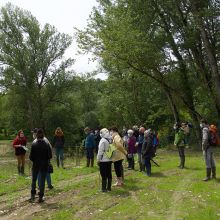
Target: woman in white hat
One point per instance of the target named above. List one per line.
(105, 163)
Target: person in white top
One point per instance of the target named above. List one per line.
(105, 164)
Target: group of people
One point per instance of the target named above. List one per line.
(40, 155)
(144, 143)
(111, 148)
(135, 141)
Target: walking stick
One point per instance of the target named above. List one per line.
(155, 162)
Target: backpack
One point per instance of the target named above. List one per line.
(213, 136)
(111, 150)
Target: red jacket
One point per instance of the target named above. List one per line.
(20, 141)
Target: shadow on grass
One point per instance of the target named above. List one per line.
(158, 174)
(194, 168)
(125, 190)
(217, 180)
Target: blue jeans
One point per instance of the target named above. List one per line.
(59, 155)
(35, 172)
(48, 178)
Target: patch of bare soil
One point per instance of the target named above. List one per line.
(22, 209)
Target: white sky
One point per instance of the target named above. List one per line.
(64, 15)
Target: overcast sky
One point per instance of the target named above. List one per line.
(64, 15)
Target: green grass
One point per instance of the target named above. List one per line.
(170, 193)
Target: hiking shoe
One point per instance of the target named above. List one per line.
(50, 187)
(40, 200)
(207, 179)
(32, 199)
(147, 174)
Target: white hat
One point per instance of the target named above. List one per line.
(147, 131)
(130, 132)
(104, 133)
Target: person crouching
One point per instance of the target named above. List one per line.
(105, 164)
(40, 155)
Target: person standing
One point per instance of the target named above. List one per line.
(58, 144)
(131, 149)
(48, 176)
(147, 151)
(97, 139)
(105, 164)
(90, 146)
(207, 151)
(118, 156)
(19, 145)
(40, 155)
(139, 144)
(179, 142)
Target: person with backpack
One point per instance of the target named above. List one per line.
(40, 155)
(214, 137)
(19, 145)
(103, 160)
(207, 148)
(139, 144)
(118, 156)
(147, 150)
(179, 142)
(58, 144)
(131, 149)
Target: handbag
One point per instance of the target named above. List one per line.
(50, 168)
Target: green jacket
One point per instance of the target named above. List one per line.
(179, 138)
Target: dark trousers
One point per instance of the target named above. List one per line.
(89, 153)
(131, 161)
(182, 156)
(118, 168)
(106, 174)
(35, 172)
(148, 165)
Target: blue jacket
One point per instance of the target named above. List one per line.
(90, 141)
(140, 142)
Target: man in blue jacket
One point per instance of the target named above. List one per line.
(90, 146)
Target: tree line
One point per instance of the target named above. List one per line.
(161, 57)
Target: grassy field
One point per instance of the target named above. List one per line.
(170, 193)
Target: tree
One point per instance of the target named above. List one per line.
(152, 38)
(32, 62)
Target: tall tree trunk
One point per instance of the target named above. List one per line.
(172, 104)
(209, 50)
(30, 114)
(188, 93)
(199, 62)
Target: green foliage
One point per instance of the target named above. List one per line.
(34, 72)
